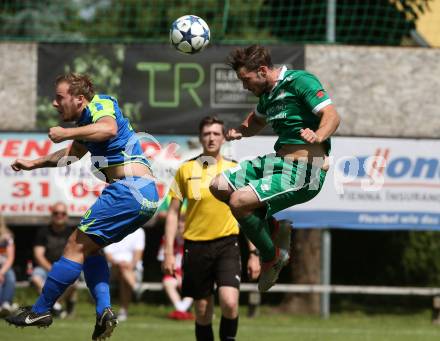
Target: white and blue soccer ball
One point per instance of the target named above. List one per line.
(190, 34)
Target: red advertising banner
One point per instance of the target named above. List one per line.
(31, 193)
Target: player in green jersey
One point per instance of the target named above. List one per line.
(301, 113)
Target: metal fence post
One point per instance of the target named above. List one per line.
(325, 272)
(331, 21)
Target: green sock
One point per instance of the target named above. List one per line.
(258, 232)
(261, 214)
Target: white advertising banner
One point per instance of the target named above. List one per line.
(373, 183)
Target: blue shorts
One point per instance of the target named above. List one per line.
(122, 207)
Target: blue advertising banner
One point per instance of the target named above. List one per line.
(373, 183)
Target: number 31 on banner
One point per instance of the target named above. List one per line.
(24, 189)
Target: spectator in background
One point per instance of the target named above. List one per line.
(125, 258)
(173, 283)
(7, 275)
(48, 248)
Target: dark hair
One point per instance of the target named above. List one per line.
(209, 120)
(78, 84)
(251, 57)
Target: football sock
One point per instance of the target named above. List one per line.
(257, 230)
(204, 333)
(64, 272)
(97, 276)
(228, 329)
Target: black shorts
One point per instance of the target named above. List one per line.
(207, 262)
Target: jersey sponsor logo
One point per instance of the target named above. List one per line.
(276, 109)
(280, 116)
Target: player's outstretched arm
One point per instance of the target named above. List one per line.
(171, 225)
(59, 158)
(251, 126)
(253, 265)
(102, 130)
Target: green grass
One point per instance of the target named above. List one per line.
(149, 322)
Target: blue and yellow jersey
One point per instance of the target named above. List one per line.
(121, 149)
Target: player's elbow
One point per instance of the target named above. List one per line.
(108, 132)
(112, 131)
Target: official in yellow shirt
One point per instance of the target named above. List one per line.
(211, 249)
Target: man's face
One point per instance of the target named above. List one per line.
(212, 138)
(69, 107)
(254, 81)
(59, 215)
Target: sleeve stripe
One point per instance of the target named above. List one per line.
(321, 105)
(104, 107)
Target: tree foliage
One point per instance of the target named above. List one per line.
(358, 22)
(410, 258)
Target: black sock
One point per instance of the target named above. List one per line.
(228, 329)
(204, 333)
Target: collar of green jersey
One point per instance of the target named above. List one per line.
(280, 76)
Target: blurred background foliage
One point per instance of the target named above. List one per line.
(379, 22)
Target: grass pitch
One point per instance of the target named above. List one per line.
(149, 322)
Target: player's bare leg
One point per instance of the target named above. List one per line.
(204, 309)
(228, 299)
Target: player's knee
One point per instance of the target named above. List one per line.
(230, 308)
(237, 203)
(75, 248)
(72, 247)
(220, 188)
(203, 312)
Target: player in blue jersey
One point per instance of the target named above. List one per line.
(129, 200)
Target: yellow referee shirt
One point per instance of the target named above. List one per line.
(206, 217)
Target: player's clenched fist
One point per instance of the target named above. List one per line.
(309, 136)
(233, 134)
(57, 134)
(21, 164)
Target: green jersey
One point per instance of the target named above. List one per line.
(292, 105)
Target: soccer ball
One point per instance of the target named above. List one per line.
(190, 34)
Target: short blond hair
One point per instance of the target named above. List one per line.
(79, 84)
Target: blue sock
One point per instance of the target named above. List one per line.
(64, 272)
(97, 276)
